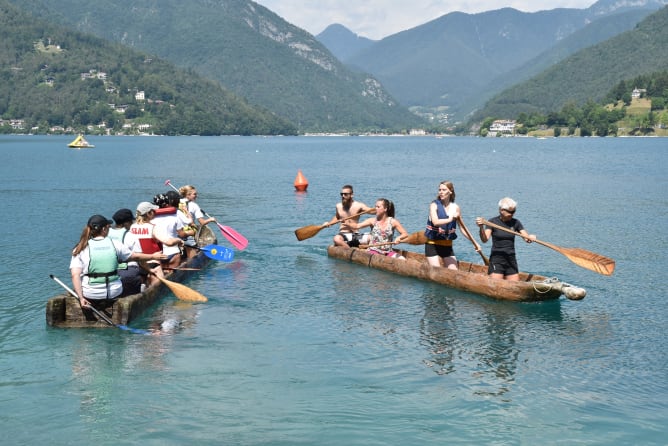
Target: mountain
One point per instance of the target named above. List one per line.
(342, 42)
(599, 30)
(248, 49)
(590, 73)
(453, 61)
(54, 77)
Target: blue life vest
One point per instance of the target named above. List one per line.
(444, 232)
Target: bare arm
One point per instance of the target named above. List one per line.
(364, 224)
(165, 239)
(433, 216)
(76, 284)
(485, 233)
(528, 237)
(402, 232)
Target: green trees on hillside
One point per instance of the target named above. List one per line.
(593, 119)
(54, 77)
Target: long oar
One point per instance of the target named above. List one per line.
(181, 291)
(470, 237)
(99, 314)
(217, 252)
(239, 241)
(311, 230)
(581, 257)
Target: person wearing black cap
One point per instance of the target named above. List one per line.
(94, 263)
(132, 276)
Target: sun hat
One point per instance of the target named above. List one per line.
(145, 207)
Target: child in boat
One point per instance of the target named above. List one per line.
(383, 226)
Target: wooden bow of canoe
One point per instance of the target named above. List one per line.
(469, 277)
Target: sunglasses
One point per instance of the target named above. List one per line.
(345, 194)
(509, 211)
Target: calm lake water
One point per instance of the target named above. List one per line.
(295, 348)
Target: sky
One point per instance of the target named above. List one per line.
(376, 19)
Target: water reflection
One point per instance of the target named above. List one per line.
(464, 333)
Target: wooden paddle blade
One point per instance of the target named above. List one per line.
(416, 238)
(183, 292)
(589, 260)
(307, 232)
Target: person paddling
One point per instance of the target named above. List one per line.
(383, 226)
(348, 210)
(94, 263)
(502, 260)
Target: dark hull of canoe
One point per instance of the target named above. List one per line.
(64, 311)
(469, 277)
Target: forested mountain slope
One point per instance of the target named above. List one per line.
(52, 76)
(248, 49)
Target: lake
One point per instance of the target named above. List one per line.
(294, 348)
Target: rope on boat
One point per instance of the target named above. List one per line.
(547, 283)
(571, 292)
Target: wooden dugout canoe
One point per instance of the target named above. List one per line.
(64, 310)
(469, 277)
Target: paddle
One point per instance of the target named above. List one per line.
(416, 238)
(586, 259)
(311, 230)
(217, 252)
(470, 237)
(181, 291)
(239, 241)
(99, 314)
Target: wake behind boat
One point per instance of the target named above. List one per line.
(80, 143)
(469, 277)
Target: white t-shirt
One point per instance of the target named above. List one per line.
(195, 211)
(99, 290)
(169, 224)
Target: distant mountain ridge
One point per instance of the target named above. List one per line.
(248, 49)
(342, 42)
(458, 60)
(589, 74)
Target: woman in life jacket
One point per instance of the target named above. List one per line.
(442, 227)
(94, 263)
(189, 206)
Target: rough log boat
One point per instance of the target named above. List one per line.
(469, 277)
(64, 310)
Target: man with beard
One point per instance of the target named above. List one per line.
(348, 211)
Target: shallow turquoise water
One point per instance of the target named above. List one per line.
(296, 348)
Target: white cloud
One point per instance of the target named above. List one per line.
(380, 18)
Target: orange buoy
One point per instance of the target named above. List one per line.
(300, 182)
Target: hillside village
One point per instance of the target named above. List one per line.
(130, 127)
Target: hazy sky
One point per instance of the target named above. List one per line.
(376, 19)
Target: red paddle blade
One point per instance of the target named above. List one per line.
(238, 240)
